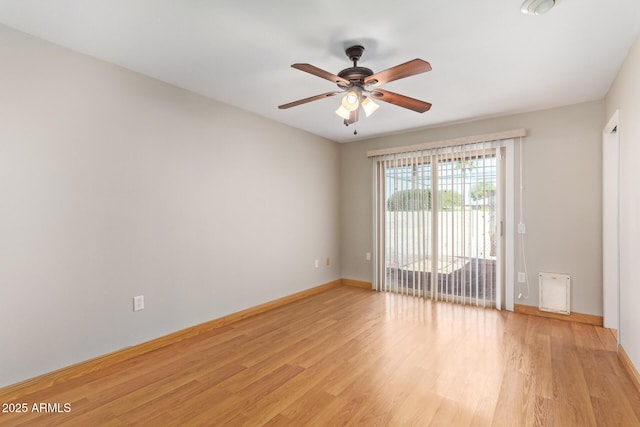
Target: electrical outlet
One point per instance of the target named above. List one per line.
(522, 277)
(138, 303)
(328, 261)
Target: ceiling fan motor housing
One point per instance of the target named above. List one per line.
(355, 74)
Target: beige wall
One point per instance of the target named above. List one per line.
(624, 96)
(114, 185)
(562, 174)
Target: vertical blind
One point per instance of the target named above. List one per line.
(437, 223)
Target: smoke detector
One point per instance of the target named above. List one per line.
(537, 7)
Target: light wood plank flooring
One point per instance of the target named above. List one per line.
(354, 357)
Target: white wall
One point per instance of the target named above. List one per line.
(114, 185)
(563, 196)
(624, 95)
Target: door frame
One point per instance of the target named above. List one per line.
(611, 222)
(505, 221)
(508, 223)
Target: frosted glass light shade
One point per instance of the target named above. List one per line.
(343, 112)
(369, 106)
(350, 101)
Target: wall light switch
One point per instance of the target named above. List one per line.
(138, 303)
(368, 256)
(522, 277)
(328, 261)
(317, 263)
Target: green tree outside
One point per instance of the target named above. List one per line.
(420, 200)
(448, 200)
(410, 200)
(482, 190)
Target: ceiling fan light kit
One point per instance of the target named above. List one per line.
(351, 100)
(369, 106)
(355, 81)
(537, 7)
(343, 112)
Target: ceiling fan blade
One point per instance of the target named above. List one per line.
(305, 100)
(411, 68)
(400, 100)
(311, 69)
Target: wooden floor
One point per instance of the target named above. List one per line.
(354, 357)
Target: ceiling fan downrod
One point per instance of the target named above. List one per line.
(355, 75)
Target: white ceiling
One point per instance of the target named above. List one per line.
(488, 59)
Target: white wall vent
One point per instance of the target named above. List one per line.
(555, 292)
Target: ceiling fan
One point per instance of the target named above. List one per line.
(360, 85)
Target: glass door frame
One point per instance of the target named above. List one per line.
(505, 214)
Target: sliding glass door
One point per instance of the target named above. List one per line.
(438, 224)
